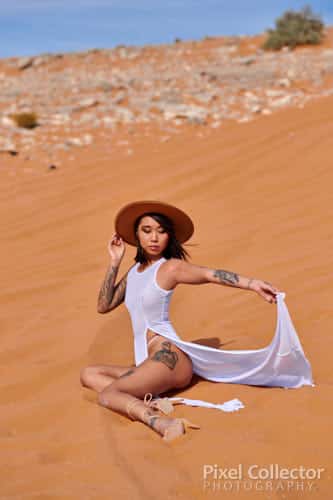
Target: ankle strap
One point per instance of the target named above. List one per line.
(147, 399)
(130, 406)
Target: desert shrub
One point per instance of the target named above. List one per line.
(295, 28)
(25, 120)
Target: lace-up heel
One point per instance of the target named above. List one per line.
(178, 428)
(162, 404)
(129, 407)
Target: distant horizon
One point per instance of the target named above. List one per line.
(139, 45)
(35, 27)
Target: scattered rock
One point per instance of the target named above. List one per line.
(74, 141)
(24, 62)
(59, 118)
(7, 146)
(193, 114)
(123, 114)
(284, 82)
(88, 102)
(283, 101)
(246, 61)
(6, 121)
(173, 84)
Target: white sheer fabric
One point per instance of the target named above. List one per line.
(281, 364)
(228, 406)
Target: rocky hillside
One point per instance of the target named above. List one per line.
(80, 96)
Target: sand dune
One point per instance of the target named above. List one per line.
(260, 194)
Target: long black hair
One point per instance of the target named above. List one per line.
(174, 247)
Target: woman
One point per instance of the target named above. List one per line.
(157, 230)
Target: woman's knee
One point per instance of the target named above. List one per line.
(104, 398)
(87, 375)
(84, 376)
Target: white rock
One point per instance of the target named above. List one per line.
(25, 62)
(124, 115)
(6, 121)
(255, 108)
(108, 121)
(59, 118)
(274, 93)
(73, 141)
(183, 111)
(283, 101)
(88, 102)
(244, 119)
(87, 139)
(7, 146)
(284, 82)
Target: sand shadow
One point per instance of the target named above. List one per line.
(178, 391)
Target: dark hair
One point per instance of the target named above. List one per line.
(174, 247)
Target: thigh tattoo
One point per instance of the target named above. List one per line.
(166, 356)
(126, 373)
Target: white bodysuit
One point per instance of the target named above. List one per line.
(282, 363)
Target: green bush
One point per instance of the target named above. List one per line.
(295, 28)
(25, 120)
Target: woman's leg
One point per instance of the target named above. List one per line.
(97, 377)
(167, 368)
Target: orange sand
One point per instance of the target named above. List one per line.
(261, 197)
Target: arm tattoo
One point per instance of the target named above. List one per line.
(119, 293)
(226, 277)
(166, 356)
(106, 291)
(110, 296)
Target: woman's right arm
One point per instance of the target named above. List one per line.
(111, 295)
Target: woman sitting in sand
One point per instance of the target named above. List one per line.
(163, 360)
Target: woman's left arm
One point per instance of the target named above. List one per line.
(184, 272)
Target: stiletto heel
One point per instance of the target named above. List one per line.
(178, 429)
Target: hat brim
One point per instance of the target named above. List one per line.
(125, 218)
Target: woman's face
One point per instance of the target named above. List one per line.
(153, 238)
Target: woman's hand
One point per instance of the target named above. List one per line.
(116, 248)
(264, 289)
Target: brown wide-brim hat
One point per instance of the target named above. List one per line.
(125, 218)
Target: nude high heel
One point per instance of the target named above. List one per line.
(178, 428)
(147, 418)
(162, 404)
(129, 407)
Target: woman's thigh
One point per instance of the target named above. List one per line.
(92, 373)
(178, 361)
(166, 368)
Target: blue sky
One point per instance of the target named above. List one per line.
(29, 27)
